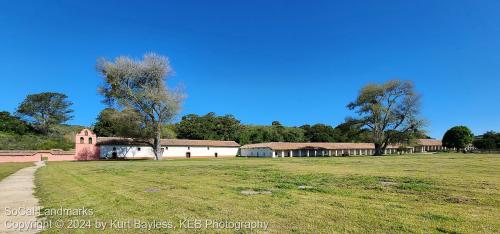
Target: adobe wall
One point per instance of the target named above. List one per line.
(35, 156)
(85, 149)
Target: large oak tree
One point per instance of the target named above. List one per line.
(140, 85)
(389, 110)
(458, 137)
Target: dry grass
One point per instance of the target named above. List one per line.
(450, 193)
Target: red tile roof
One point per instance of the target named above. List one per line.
(429, 142)
(165, 142)
(312, 145)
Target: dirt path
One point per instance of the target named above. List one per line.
(17, 202)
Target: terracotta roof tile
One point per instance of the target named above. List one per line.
(183, 142)
(166, 142)
(312, 145)
(431, 142)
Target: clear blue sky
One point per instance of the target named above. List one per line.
(299, 62)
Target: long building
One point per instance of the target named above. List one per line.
(428, 145)
(111, 147)
(319, 149)
(89, 146)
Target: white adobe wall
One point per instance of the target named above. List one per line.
(257, 152)
(199, 151)
(168, 152)
(126, 151)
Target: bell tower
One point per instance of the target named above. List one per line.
(85, 145)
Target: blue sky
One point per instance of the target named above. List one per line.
(299, 62)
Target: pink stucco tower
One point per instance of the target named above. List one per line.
(85, 145)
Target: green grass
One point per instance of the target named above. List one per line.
(443, 193)
(7, 169)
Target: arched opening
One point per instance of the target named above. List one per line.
(90, 140)
(86, 133)
(81, 140)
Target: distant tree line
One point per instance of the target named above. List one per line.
(488, 141)
(111, 122)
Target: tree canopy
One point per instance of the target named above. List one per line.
(44, 110)
(115, 123)
(227, 127)
(13, 124)
(320, 133)
(140, 85)
(208, 127)
(488, 141)
(388, 110)
(458, 137)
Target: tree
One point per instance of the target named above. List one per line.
(251, 134)
(140, 85)
(352, 131)
(488, 141)
(458, 137)
(276, 123)
(320, 133)
(105, 125)
(9, 123)
(44, 110)
(115, 123)
(208, 127)
(293, 134)
(387, 109)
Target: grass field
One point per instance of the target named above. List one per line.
(7, 169)
(448, 193)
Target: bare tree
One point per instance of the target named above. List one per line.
(389, 110)
(140, 85)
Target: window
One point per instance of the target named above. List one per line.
(138, 148)
(216, 154)
(208, 148)
(166, 148)
(114, 148)
(81, 140)
(86, 133)
(189, 147)
(90, 140)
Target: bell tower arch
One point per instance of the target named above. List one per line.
(85, 145)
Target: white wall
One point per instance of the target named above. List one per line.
(199, 151)
(127, 151)
(168, 152)
(257, 152)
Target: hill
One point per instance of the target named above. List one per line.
(16, 134)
